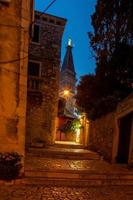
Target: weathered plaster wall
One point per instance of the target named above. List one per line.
(14, 37)
(101, 135)
(42, 104)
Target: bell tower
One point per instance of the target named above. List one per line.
(68, 78)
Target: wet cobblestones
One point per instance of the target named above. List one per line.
(35, 191)
(44, 163)
(65, 193)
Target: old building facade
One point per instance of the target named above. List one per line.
(112, 134)
(15, 20)
(43, 79)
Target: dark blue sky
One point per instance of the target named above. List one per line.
(77, 13)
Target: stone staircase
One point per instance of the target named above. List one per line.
(68, 145)
(80, 180)
(64, 153)
(61, 166)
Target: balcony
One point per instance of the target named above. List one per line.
(34, 83)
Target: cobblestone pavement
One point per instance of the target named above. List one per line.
(44, 163)
(65, 193)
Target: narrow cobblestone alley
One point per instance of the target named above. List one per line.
(62, 177)
(66, 100)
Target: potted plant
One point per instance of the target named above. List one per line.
(10, 165)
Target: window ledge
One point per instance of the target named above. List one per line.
(37, 43)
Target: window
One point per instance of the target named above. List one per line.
(58, 23)
(45, 19)
(34, 79)
(52, 21)
(33, 69)
(36, 34)
(37, 16)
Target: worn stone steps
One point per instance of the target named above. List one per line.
(80, 178)
(78, 167)
(69, 146)
(76, 180)
(74, 154)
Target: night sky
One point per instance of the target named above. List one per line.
(78, 14)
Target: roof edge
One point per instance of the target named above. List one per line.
(50, 15)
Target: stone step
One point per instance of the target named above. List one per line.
(69, 146)
(80, 178)
(74, 154)
(74, 182)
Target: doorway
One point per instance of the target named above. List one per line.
(125, 126)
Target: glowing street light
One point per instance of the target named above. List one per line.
(66, 92)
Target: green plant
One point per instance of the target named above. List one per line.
(76, 124)
(71, 126)
(10, 165)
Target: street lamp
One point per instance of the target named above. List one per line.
(66, 92)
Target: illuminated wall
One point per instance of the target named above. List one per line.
(15, 18)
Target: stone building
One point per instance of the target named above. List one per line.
(66, 96)
(15, 20)
(112, 134)
(43, 79)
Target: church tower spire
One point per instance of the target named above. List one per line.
(68, 74)
(68, 78)
(68, 64)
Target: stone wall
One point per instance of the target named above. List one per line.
(42, 103)
(101, 135)
(104, 133)
(15, 18)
